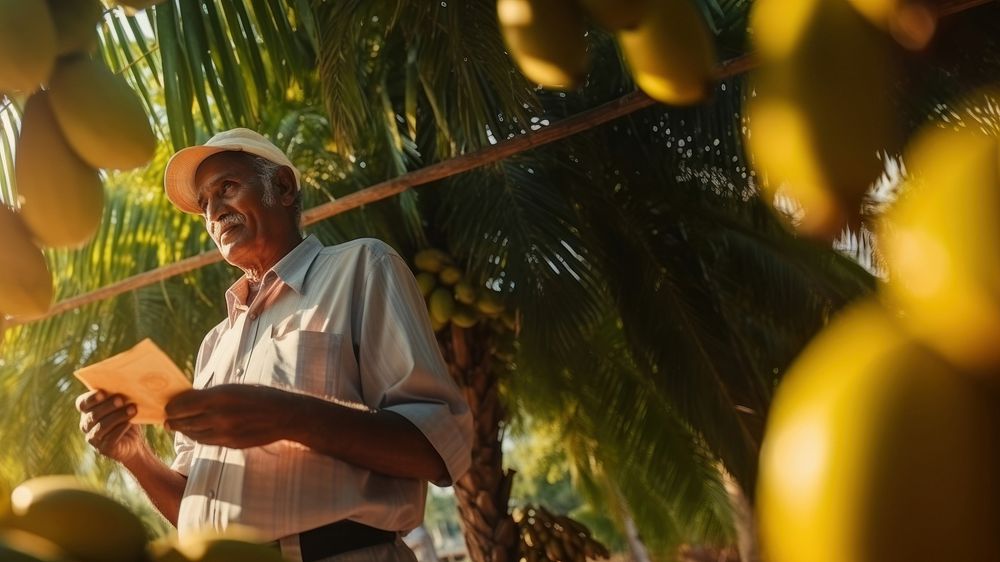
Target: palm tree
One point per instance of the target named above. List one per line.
(647, 229)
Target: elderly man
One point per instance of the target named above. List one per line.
(321, 404)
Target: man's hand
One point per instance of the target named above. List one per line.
(104, 420)
(237, 416)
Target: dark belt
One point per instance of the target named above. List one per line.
(338, 538)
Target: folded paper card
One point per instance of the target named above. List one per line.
(143, 374)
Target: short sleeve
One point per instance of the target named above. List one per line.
(402, 369)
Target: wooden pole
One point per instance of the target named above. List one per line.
(629, 103)
(625, 105)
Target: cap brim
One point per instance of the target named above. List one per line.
(178, 178)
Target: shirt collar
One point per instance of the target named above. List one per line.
(290, 270)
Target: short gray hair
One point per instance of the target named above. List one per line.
(266, 171)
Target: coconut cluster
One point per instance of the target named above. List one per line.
(548, 537)
(451, 299)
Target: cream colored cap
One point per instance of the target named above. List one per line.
(178, 179)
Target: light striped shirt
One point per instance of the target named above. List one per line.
(346, 323)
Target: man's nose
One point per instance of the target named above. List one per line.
(213, 209)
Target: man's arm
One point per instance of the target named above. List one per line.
(165, 487)
(242, 416)
(105, 420)
(383, 441)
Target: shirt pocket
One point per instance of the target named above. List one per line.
(316, 363)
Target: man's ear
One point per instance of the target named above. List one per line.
(284, 180)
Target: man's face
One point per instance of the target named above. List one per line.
(246, 225)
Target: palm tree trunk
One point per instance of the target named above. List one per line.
(483, 492)
(635, 545)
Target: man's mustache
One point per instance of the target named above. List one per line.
(225, 221)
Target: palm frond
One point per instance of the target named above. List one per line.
(618, 428)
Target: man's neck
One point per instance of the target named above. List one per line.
(255, 272)
(253, 288)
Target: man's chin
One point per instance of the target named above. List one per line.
(229, 247)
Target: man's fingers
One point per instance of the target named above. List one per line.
(86, 421)
(87, 400)
(99, 428)
(186, 424)
(185, 404)
(117, 432)
(106, 407)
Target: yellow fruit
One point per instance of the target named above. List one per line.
(489, 304)
(616, 14)
(166, 550)
(877, 11)
(25, 282)
(441, 305)
(671, 53)
(911, 22)
(236, 544)
(75, 23)
(27, 45)
(231, 550)
(4, 498)
(876, 450)
(450, 275)
(465, 293)
(547, 40)
(90, 527)
(465, 316)
(63, 197)
(431, 260)
(100, 115)
(822, 109)
(19, 546)
(942, 245)
(426, 282)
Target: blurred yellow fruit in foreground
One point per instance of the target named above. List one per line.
(911, 22)
(90, 527)
(229, 550)
(942, 245)
(100, 115)
(27, 45)
(878, 451)
(236, 544)
(76, 24)
(4, 498)
(671, 53)
(25, 282)
(546, 40)
(19, 546)
(821, 109)
(62, 196)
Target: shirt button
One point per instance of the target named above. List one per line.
(239, 371)
(253, 316)
(211, 494)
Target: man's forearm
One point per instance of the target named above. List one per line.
(165, 487)
(383, 441)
